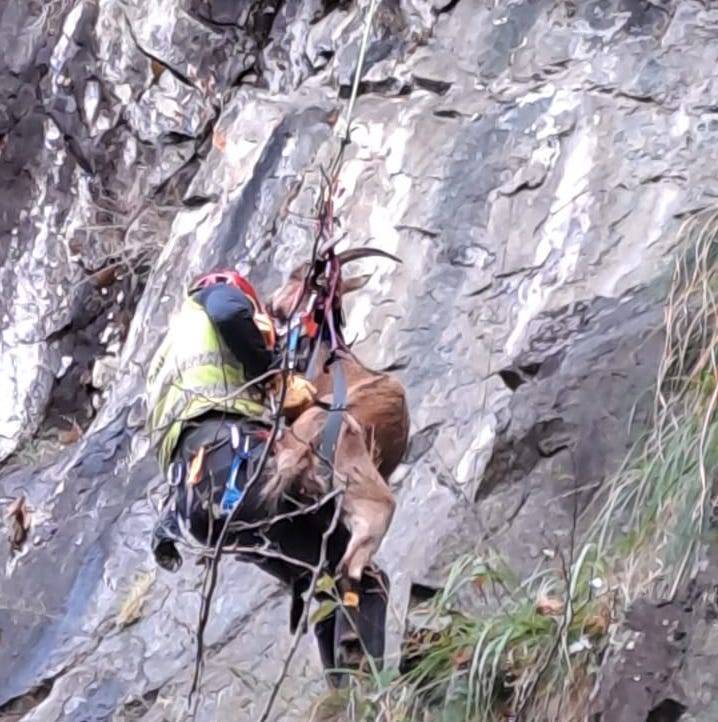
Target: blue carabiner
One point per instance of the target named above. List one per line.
(294, 338)
(232, 495)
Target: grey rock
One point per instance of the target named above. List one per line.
(530, 161)
(104, 371)
(169, 107)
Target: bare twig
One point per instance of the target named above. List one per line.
(210, 581)
(247, 526)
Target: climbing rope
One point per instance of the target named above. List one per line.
(323, 234)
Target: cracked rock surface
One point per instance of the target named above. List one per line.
(531, 161)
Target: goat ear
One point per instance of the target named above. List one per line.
(355, 283)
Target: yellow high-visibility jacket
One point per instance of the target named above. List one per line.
(192, 373)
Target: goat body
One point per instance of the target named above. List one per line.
(372, 440)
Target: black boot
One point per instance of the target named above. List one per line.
(360, 630)
(372, 614)
(324, 632)
(348, 652)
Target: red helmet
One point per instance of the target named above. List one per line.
(233, 278)
(261, 319)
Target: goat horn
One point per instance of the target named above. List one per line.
(354, 254)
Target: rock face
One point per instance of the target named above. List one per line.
(531, 162)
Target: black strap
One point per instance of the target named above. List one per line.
(333, 425)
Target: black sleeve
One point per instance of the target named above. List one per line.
(231, 313)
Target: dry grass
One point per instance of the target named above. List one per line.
(132, 607)
(654, 514)
(513, 660)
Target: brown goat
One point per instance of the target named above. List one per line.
(368, 504)
(372, 440)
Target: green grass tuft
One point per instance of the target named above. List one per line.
(532, 653)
